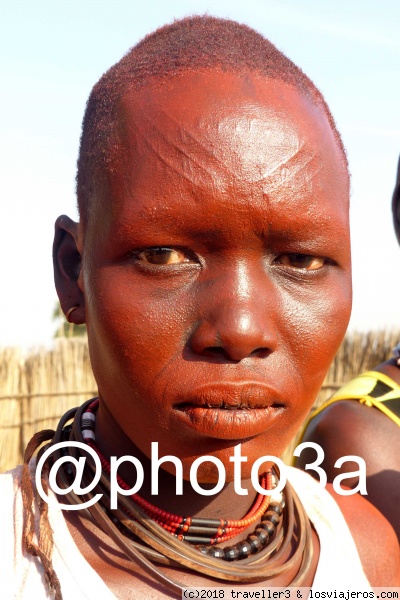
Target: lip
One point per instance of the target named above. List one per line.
(231, 411)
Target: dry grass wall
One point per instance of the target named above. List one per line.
(36, 389)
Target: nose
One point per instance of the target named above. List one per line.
(239, 312)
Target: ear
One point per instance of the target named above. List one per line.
(396, 204)
(67, 269)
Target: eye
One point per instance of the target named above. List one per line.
(307, 262)
(163, 256)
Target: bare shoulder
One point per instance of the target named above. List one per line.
(375, 539)
(339, 430)
(348, 417)
(391, 369)
(350, 428)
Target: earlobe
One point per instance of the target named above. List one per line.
(396, 204)
(67, 269)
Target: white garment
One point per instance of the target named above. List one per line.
(338, 552)
(21, 576)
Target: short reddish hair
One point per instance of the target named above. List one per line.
(188, 44)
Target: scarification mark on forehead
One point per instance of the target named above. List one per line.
(263, 150)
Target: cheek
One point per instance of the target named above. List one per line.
(141, 327)
(315, 324)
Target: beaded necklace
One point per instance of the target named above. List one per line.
(199, 531)
(281, 542)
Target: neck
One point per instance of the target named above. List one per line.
(112, 441)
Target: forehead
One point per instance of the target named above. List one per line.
(219, 134)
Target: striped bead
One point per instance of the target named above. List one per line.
(88, 425)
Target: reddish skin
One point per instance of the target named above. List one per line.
(351, 428)
(236, 175)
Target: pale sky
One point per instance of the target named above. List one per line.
(52, 53)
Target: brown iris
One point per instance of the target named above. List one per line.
(163, 256)
(301, 261)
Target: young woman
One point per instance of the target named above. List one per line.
(211, 265)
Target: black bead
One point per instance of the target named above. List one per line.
(231, 553)
(255, 543)
(206, 531)
(262, 535)
(272, 516)
(244, 549)
(197, 522)
(276, 507)
(216, 552)
(203, 549)
(197, 539)
(268, 526)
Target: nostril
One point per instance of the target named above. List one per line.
(260, 352)
(215, 351)
(221, 352)
(225, 340)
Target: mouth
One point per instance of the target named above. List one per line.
(231, 411)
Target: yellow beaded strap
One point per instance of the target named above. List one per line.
(360, 389)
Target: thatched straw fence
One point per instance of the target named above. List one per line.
(36, 389)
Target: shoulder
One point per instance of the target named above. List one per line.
(375, 539)
(337, 415)
(350, 417)
(350, 525)
(12, 514)
(11, 522)
(390, 369)
(9, 486)
(10, 498)
(350, 428)
(336, 429)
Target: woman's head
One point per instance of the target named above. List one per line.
(187, 45)
(396, 204)
(213, 265)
